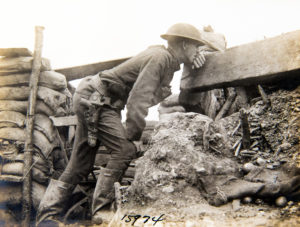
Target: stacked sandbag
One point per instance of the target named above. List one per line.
(53, 99)
(170, 105)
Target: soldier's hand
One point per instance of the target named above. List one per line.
(140, 148)
(166, 91)
(199, 59)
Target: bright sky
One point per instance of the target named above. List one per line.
(86, 31)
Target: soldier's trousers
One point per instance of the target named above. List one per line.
(111, 134)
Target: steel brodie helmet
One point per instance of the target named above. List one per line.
(185, 31)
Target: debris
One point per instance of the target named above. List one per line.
(247, 167)
(237, 150)
(225, 108)
(264, 96)
(260, 161)
(247, 199)
(281, 201)
(236, 205)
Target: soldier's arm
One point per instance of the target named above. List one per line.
(142, 96)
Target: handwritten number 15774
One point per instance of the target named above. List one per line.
(134, 218)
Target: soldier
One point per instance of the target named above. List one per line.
(141, 82)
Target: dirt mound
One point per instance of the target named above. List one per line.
(194, 162)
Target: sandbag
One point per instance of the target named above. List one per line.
(13, 168)
(12, 118)
(40, 176)
(50, 79)
(164, 110)
(51, 97)
(15, 52)
(12, 134)
(21, 64)
(41, 142)
(39, 139)
(41, 163)
(21, 106)
(10, 191)
(58, 82)
(172, 100)
(43, 124)
(8, 125)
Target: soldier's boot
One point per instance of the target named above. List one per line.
(104, 192)
(53, 203)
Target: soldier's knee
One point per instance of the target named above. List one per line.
(130, 149)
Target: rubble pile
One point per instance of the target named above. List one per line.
(53, 99)
(194, 160)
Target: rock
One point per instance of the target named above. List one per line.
(281, 201)
(236, 205)
(247, 167)
(168, 189)
(261, 161)
(247, 199)
(259, 201)
(284, 147)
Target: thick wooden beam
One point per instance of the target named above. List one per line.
(253, 63)
(79, 72)
(64, 121)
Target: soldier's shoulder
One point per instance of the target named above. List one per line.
(159, 52)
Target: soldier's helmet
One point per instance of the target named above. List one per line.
(184, 30)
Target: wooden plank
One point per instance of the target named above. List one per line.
(78, 72)
(253, 63)
(15, 52)
(64, 121)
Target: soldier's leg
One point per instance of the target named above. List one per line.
(113, 136)
(80, 165)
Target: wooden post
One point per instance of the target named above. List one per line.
(245, 128)
(34, 78)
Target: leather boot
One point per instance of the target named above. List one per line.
(104, 192)
(53, 203)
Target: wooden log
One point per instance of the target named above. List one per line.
(252, 63)
(78, 72)
(49, 79)
(21, 64)
(15, 52)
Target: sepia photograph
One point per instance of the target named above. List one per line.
(149, 113)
